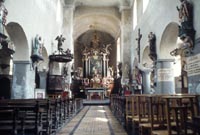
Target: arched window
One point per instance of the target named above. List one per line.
(145, 4)
(118, 50)
(135, 14)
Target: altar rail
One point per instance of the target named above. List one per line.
(36, 116)
(158, 114)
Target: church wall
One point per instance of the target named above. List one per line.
(23, 82)
(42, 17)
(156, 17)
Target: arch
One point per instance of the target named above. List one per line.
(146, 61)
(5, 91)
(108, 22)
(168, 41)
(85, 40)
(18, 36)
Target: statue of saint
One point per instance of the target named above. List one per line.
(60, 40)
(3, 14)
(37, 47)
(184, 11)
(95, 41)
(152, 45)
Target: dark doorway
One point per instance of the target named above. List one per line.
(37, 78)
(5, 89)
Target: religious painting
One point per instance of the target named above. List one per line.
(95, 66)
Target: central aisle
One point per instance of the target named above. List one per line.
(93, 120)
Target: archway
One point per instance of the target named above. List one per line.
(168, 41)
(85, 39)
(21, 60)
(167, 64)
(18, 36)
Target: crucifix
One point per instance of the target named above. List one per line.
(138, 40)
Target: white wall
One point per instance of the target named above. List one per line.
(43, 17)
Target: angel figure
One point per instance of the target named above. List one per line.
(60, 40)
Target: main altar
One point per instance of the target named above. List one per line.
(97, 74)
(95, 93)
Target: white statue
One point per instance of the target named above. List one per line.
(37, 46)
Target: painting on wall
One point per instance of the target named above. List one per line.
(95, 66)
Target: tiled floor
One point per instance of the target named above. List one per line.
(93, 120)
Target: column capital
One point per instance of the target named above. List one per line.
(144, 69)
(165, 60)
(70, 6)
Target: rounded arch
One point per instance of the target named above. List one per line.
(18, 36)
(85, 40)
(168, 40)
(108, 22)
(146, 61)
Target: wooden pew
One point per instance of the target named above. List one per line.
(37, 116)
(8, 122)
(27, 115)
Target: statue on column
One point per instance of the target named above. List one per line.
(186, 30)
(5, 42)
(60, 40)
(185, 12)
(3, 14)
(37, 46)
(37, 50)
(152, 46)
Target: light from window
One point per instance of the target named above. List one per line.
(135, 14)
(145, 4)
(118, 50)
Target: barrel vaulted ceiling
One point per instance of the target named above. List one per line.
(100, 15)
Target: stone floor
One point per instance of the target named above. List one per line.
(93, 120)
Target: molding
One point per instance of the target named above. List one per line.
(22, 62)
(165, 60)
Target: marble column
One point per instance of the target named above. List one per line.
(165, 83)
(146, 81)
(126, 40)
(23, 80)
